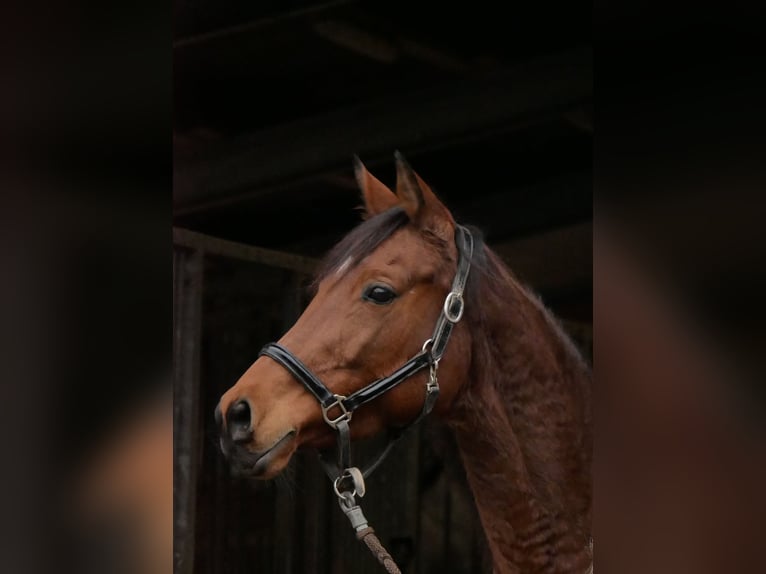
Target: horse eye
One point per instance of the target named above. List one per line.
(379, 294)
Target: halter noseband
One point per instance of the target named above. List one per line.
(429, 356)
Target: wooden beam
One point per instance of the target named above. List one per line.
(357, 40)
(413, 122)
(256, 25)
(388, 50)
(217, 246)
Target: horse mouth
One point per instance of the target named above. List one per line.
(256, 464)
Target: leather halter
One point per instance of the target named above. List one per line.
(337, 410)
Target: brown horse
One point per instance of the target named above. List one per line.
(514, 390)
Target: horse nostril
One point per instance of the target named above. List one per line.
(238, 421)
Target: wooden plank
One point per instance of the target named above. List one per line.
(223, 247)
(187, 336)
(317, 505)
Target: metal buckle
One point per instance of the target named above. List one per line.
(452, 297)
(345, 415)
(433, 379)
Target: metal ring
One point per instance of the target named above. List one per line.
(452, 297)
(339, 494)
(428, 342)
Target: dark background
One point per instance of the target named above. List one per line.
(491, 105)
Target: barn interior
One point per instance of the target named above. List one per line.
(491, 105)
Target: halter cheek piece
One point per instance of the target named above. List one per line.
(337, 410)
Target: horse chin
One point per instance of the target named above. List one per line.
(263, 464)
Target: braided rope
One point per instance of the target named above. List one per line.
(368, 537)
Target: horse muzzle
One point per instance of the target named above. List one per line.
(237, 432)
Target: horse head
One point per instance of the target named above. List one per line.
(377, 298)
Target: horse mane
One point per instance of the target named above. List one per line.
(491, 278)
(524, 385)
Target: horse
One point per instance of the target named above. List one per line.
(497, 369)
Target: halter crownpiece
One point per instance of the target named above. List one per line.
(337, 410)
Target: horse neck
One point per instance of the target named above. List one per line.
(522, 425)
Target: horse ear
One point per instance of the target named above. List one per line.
(419, 202)
(377, 197)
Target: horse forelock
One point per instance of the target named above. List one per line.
(359, 243)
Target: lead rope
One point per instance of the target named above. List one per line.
(368, 537)
(347, 493)
(364, 532)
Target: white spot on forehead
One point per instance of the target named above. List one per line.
(343, 266)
